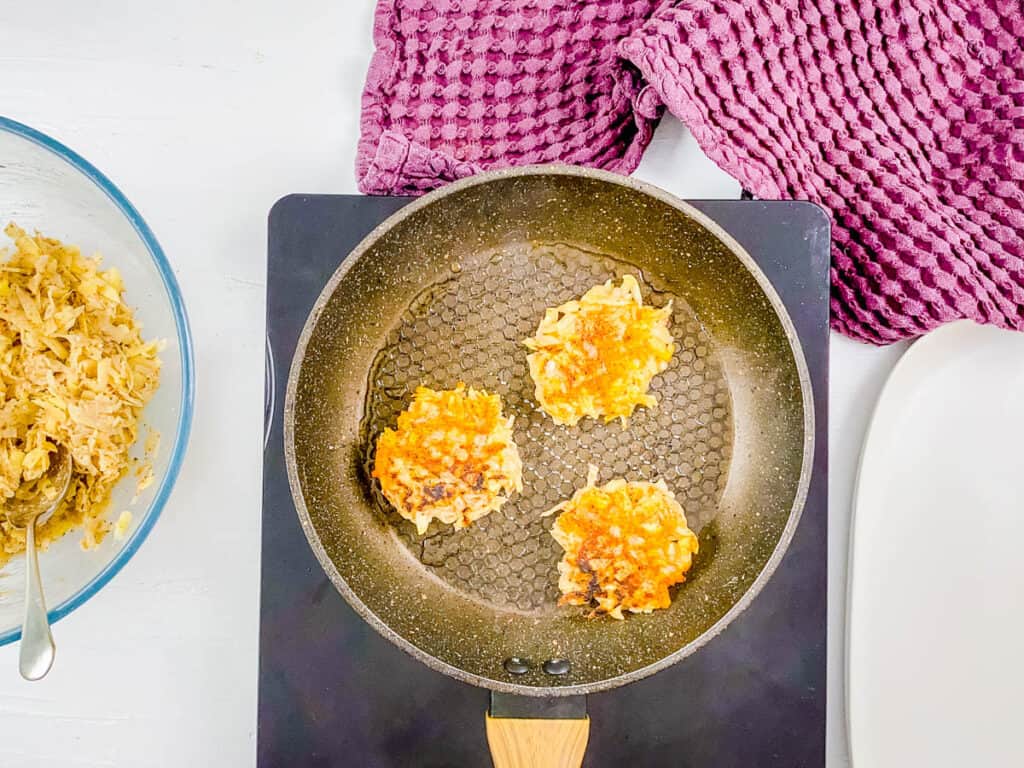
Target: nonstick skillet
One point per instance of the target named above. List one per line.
(445, 291)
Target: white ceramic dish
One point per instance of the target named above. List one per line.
(935, 622)
(46, 186)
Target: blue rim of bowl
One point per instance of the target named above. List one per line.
(163, 492)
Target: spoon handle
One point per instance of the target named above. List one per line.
(37, 648)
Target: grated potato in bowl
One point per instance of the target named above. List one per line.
(74, 370)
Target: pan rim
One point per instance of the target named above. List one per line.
(799, 499)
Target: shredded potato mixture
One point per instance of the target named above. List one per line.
(452, 458)
(596, 356)
(625, 544)
(75, 371)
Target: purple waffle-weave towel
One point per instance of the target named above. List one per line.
(904, 118)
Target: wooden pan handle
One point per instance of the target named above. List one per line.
(537, 743)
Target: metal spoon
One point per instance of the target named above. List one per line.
(37, 648)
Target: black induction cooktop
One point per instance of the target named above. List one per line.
(332, 692)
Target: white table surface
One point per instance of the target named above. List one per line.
(205, 112)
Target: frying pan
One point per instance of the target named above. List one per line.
(445, 291)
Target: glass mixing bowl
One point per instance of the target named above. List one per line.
(46, 186)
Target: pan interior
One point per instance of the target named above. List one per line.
(469, 327)
(446, 291)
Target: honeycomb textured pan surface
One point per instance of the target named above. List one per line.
(469, 327)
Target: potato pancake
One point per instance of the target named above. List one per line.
(596, 356)
(452, 458)
(625, 544)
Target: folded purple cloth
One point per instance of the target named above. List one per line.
(904, 118)
(456, 86)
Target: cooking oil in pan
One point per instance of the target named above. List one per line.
(470, 327)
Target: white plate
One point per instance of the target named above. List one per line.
(935, 624)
